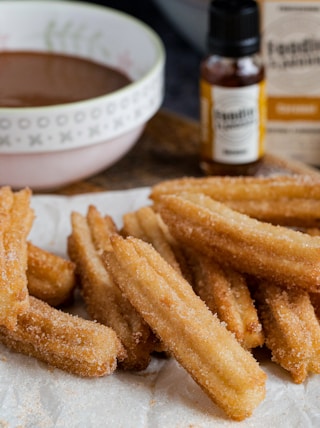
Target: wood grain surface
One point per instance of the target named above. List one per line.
(168, 148)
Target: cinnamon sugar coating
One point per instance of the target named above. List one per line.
(64, 341)
(202, 345)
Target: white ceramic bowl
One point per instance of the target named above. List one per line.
(47, 147)
(190, 18)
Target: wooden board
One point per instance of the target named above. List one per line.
(168, 148)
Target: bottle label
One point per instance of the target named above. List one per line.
(232, 123)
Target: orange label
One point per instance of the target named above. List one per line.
(293, 109)
(207, 128)
(262, 116)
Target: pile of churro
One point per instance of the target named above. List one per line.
(210, 270)
(32, 282)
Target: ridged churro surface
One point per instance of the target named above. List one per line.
(51, 278)
(291, 328)
(16, 217)
(243, 188)
(145, 224)
(226, 294)
(284, 200)
(64, 341)
(203, 346)
(286, 257)
(104, 301)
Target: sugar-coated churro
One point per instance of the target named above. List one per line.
(243, 188)
(284, 200)
(291, 328)
(104, 301)
(145, 224)
(16, 217)
(65, 341)
(203, 346)
(286, 257)
(226, 293)
(51, 278)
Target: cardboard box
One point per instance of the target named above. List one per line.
(291, 51)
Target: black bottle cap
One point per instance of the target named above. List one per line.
(234, 28)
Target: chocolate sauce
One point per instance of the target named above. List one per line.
(32, 79)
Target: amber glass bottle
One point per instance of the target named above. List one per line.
(232, 89)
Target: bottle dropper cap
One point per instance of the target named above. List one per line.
(234, 28)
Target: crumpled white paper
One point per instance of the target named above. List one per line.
(32, 395)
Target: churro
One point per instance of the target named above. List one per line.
(51, 278)
(104, 301)
(278, 254)
(16, 219)
(292, 331)
(243, 188)
(64, 341)
(203, 346)
(226, 293)
(145, 224)
(284, 200)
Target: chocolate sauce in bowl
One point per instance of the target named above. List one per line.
(32, 79)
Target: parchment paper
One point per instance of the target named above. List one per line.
(164, 396)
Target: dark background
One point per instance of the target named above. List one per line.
(182, 61)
